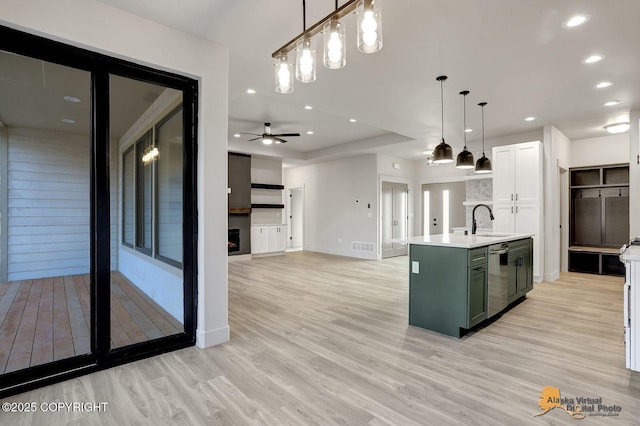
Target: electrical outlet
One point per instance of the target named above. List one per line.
(415, 267)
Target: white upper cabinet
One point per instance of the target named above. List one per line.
(517, 173)
(503, 174)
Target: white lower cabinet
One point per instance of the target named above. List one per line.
(268, 239)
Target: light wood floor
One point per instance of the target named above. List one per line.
(320, 340)
(47, 319)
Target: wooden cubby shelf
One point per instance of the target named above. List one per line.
(266, 186)
(267, 206)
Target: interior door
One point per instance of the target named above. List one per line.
(442, 207)
(295, 214)
(394, 219)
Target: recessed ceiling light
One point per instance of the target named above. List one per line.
(236, 135)
(71, 99)
(604, 84)
(529, 119)
(310, 132)
(612, 103)
(68, 121)
(617, 127)
(251, 91)
(468, 130)
(308, 107)
(593, 59)
(576, 20)
(352, 120)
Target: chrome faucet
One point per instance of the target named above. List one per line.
(474, 226)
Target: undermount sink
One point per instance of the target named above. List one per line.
(493, 235)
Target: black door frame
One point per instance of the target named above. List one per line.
(101, 67)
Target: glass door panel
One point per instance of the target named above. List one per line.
(147, 284)
(45, 199)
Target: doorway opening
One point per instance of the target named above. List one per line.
(442, 207)
(394, 219)
(295, 219)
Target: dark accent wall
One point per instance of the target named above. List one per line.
(239, 180)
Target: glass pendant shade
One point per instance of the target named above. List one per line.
(442, 153)
(284, 74)
(483, 165)
(306, 60)
(369, 21)
(335, 52)
(465, 159)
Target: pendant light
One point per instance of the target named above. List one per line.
(465, 158)
(483, 165)
(369, 18)
(284, 73)
(306, 60)
(335, 54)
(442, 153)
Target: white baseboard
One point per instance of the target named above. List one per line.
(346, 253)
(205, 339)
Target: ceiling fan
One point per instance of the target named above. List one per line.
(268, 138)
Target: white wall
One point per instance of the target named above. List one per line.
(612, 149)
(634, 174)
(96, 26)
(332, 217)
(48, 204)
(266, 170)
(556, 153)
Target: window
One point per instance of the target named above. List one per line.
(169, 188)
(144, 181)
(152, 203)
(128, 203)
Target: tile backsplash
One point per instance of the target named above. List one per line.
(480, 190)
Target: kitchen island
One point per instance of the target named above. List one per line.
(457, 281)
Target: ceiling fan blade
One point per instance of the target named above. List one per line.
(287, 134)
(255, 139)
(254, 134)
(278, 140)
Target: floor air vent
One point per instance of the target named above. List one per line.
(365, 247)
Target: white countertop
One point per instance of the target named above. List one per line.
(466, 241)
(632, 253)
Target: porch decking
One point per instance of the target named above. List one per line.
(44, 320)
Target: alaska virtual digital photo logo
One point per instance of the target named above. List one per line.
(578, 407)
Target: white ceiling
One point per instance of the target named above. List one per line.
(513, 54)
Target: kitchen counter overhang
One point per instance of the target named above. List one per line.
(466, 241)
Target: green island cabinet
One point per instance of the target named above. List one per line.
(448, 286)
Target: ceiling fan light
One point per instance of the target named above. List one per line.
(465, 159)
(306, 60)
(284, 74)
(483, 165)
(267, 140)
(335, 52)
(443, 153)
(369, 24)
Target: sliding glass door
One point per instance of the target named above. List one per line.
(45, 199)
(97, 211)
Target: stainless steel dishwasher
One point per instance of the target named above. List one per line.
(498, 278)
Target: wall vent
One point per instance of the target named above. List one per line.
(364, 247)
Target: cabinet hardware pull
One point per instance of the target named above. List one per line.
(511, 197)
(511, 209)
(478, 258)
(516, 209)
(516, 196)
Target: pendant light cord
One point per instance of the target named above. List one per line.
(304, 16)
(464, 120)
(442, 106)
(483, 130)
